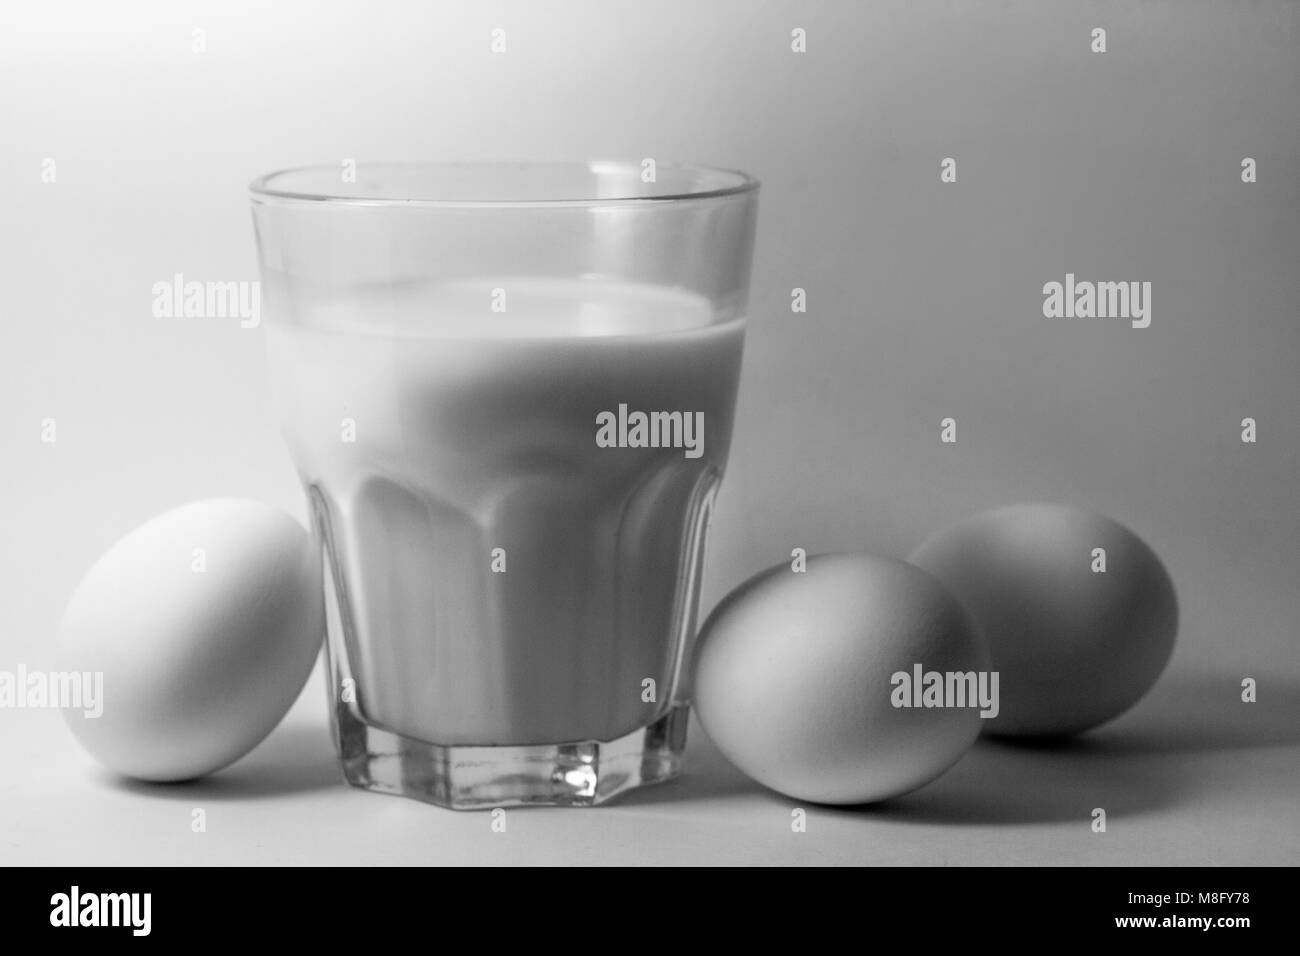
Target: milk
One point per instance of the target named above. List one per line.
(502, 578)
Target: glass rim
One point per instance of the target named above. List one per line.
(725, 183)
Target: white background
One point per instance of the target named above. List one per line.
(924, 302)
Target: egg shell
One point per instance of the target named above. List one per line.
(1073, 647)
(205, 623)
(793, 678)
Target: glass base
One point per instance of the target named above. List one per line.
(581, 774)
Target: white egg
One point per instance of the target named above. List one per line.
(795, 678)
(1078, 612)
(204, 623)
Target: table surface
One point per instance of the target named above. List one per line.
(1191, 776)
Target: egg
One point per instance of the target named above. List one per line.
(796, 678)
(204, 624)
(1078, 612)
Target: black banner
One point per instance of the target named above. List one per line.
(346, 905)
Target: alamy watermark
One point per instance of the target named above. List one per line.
(179, 299)
(57, 689)
(624, 429)
(922, 688)
(1073, 299)
(76, 908)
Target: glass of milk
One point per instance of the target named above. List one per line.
(508, 389)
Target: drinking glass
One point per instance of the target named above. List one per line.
(508, 391)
